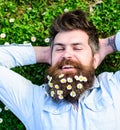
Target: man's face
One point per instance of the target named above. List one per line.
(71, 57)
(72, 45)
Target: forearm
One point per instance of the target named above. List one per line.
(42, 54)
(110, 44)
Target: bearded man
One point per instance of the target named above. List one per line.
(73, 97)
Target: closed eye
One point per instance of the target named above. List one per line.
(77, 48)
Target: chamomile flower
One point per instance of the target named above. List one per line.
(0, 109)
(57, 86)
(30, 8)
(25, 42)
(49, 78)
(6, 43)
(50, 84)
(63, 80)
(33, 38)
(47, 40)
(81, 78)
(72, 93)
(59, 92)
(11, 20)
(6, 108)
(52, 93)
(60, 97)
(84, 79)
(79, 86)
(76, 77)
(61, 75)
(69, 80)
(43, 13)
(66, 10)
(69, 87)
(1, 120)
(2, 35)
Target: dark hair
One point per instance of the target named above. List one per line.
(75, 20)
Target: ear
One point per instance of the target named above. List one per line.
(96, 60)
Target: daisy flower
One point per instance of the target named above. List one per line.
(2, 35)
(57, 86)
(76, 77)
(33, 38)
(6, 108)
(47, 40)
(69, 80)
(81, 78)
(6, 43)
(60, 97)
(72, 93)
(49, 78)
(69, 87)
(50, 84)
(52, 93)
(1, 120)
(84, 79)
(11, 20)
(59, 92)
(66, 10)
(79, 86)
(0, 109)
(61, 75)
(63, 80)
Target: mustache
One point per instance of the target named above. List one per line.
(71, 63)
(64, 62)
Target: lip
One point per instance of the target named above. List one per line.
(68, 68)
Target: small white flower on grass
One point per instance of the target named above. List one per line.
(33, 38)
(30, 8)
(66, 10)
(6, 108)
(43, 13)
(0, 109)
(1, 120)
(2, 35)
(11, 20)
(47, 40)
(25, 42)
(6, 43)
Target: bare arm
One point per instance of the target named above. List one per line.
(106, 47)
(43, 54)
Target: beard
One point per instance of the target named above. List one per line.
(69, 85)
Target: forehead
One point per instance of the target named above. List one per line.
(70, 37)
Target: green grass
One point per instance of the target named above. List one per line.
(33, 18)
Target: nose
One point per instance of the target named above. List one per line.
(68, 54)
